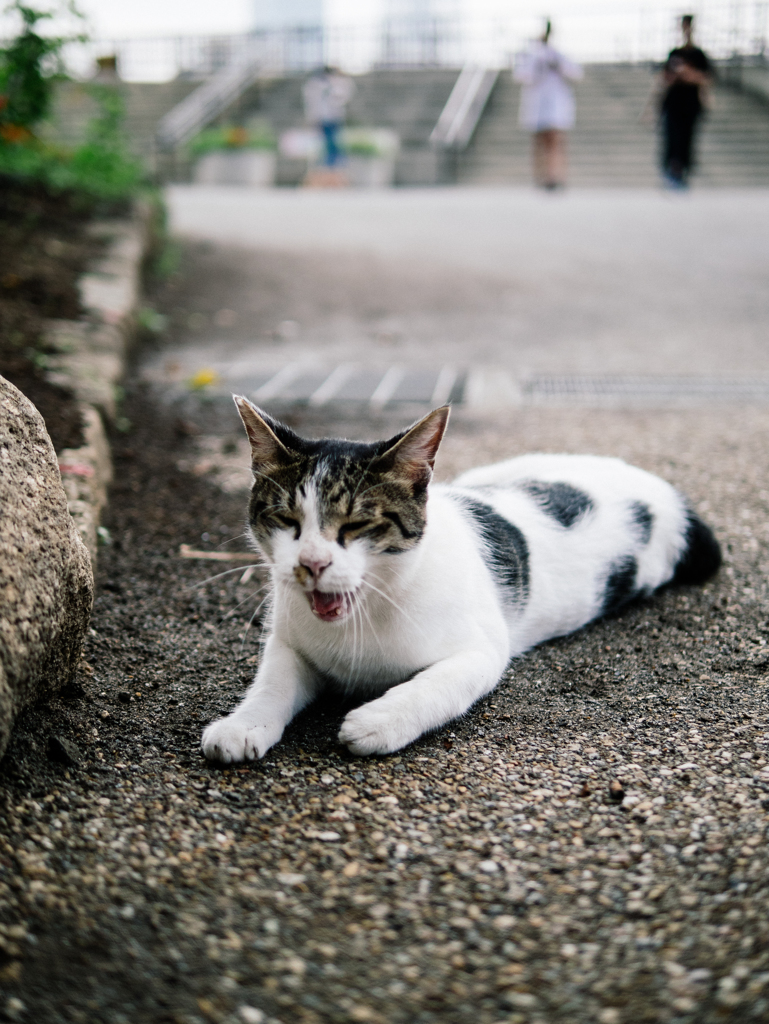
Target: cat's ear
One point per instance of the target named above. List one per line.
(267, 451)
(413, 454)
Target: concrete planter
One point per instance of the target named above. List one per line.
(370, 171)
(254, 168)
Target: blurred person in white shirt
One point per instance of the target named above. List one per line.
(547, 106)
(326, 94)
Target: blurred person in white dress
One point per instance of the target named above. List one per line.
(547, 106)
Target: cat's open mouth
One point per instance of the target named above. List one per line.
(329, 607)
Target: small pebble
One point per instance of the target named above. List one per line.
(14, 1008)
(63, 750)
(250, 1015)
(616, 791)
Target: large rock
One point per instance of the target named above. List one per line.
(46, 580)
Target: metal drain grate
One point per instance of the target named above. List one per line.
(359, 389)
(348, 383)
(646, 389)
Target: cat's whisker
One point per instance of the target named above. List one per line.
(272, 481)
(395, 605)
(267, 621)
(290, 621)
(354, 659)
(391, 568)
(265, 628)
(250, 623)
(364, 611)
(362, 493)
(231, 540)
(269, 508)
(361, 478)
(253, 594)
(386, 596)
(227, 572)
(358, 636)
(358, 611)
(404, 580)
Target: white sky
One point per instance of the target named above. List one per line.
(113, 19)
(492, 29)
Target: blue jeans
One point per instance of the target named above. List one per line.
(333, 153)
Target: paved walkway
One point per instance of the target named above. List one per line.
(586, 283)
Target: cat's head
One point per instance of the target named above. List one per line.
(326, 513)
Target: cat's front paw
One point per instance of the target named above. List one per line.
(374, 729)
(237, 739)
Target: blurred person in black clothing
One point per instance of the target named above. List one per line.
(686, 77)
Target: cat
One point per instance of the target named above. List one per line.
(418, 595)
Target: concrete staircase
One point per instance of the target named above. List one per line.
(407, 101)
(145, 104)
(734, 143)
(610, 146)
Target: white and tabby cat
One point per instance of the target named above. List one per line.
(418, 597)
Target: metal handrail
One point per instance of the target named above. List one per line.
(460, 117)
(205, 103)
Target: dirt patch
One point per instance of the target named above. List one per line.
(44, 248)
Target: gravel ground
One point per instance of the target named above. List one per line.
(587, 845)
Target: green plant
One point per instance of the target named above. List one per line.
(362, 147)
(232, 137)
(103, 165)
(102, 169)
(167, 260)
(151, 321)
(26, 67)
(369, 142)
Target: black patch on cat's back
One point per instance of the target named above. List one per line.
(643, 520)
(620, 585)
(560, 501)
(507, 554)
(701, 557)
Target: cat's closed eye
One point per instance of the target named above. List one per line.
(346, 528)
(293, 524)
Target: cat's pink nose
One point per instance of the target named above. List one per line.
(315, 565)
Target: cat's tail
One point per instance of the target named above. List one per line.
(701, 555)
